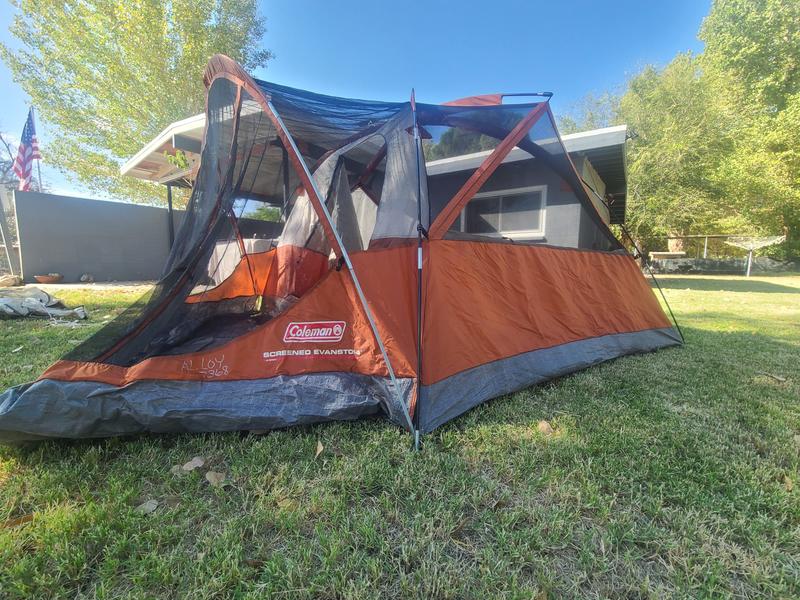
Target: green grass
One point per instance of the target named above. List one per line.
(671, 474)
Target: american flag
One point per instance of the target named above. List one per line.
(27, 152)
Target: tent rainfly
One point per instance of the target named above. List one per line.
(315, 277)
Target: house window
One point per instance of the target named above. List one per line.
(517, 213)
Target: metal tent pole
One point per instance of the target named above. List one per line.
(749, 261)
(170, 222)
(420, 233)
(350, 268)
(285, 175)
(38, 160)
(653, 276)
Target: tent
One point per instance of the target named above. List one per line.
(317, 276)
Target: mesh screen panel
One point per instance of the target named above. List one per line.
(245, 193)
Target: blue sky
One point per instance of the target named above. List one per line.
(446, 50)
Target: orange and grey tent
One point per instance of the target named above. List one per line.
(321, 273)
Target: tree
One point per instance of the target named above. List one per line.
(717, 135)
(265, 213)
(591, 112)
(107, 76)
(680, 140)
(755, 42)
(753, 62)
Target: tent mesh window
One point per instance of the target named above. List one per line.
(512, 204)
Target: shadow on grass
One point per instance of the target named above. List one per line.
(706, 284)
(675, 457)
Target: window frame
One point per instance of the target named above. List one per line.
(517, 234)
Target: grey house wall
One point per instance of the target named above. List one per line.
(111, 240)
(563, 213)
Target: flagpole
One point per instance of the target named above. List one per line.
(38, 161)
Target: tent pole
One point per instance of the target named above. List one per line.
(170, 222)
(346, 256)
(285, 169)
(653, 276)
(420, 232)
(749, 261)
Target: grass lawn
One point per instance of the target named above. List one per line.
(671, 474)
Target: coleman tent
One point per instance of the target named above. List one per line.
(325, 271)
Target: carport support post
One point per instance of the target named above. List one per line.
(749, 261)
(170, 222)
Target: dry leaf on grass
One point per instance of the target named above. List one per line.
(254, 562)
(148, 507)
(195, 463)
(788, 483)
(17, 349)
(215, 478)
(545, 428)
(16, 522)
(319, 450)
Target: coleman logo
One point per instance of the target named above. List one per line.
(315, 331)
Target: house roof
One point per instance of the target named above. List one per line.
(151, 163)
(605, 149)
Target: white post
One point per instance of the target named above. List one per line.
(705, 248)
(749, 261)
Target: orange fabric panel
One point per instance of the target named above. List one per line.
(483, 302)
(265, 352)
(389, 280)
(487, 301)
(240, 282)
(280, 272)
(483, 100)
(296, 270)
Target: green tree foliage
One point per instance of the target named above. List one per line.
(680, 139)
(455, 142)
(756, 45)
(265, 213)
(591, 112)
(107, 76)
(752, 58)
(717, 135)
